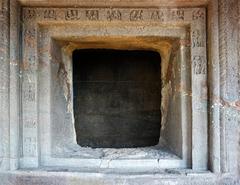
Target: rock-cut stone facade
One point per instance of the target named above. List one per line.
(198, 42)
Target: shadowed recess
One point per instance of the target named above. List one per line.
(117, 98)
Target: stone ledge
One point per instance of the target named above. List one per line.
(74, 178)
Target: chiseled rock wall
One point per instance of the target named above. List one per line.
(229, 60)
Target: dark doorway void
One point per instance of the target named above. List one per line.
(117, 98)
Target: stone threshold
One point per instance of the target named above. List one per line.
(78, 172)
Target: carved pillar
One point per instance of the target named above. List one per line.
(14, 83)
(4, 85)
(229, 83)
(29, 88)
(214, 89)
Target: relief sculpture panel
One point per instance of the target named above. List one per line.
(72, 14)
(50, 14)
(200, 66)
(114, 15)
(117, 14)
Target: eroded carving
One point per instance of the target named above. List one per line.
(114, 15)
(29, 41)
(92, 15)
(50, 14)
(72, 14)
(136, 15)
(29, 92)
(29, 14)
(157, 15)
(177, 15)
(198, 14)
(30, 33)
(199, 65)
(30, 123)
(197, 40)
(30, 146)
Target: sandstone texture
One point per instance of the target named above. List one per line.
(198, 42)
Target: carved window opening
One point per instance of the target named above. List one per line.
(117, 98)
(177, 34)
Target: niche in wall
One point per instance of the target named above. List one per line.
(117, 98)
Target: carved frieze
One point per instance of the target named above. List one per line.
(114, 14)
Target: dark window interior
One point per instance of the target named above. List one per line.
(117, 98)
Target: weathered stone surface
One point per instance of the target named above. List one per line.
(4, 86)
(27, 139)
(68, 178)
(117, 3)
(229, 94)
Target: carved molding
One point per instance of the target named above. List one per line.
(159, 15)
(147, 18)
(119, 3)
